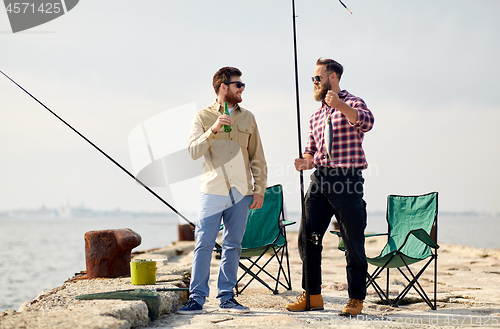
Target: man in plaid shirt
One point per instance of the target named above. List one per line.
(334, 148)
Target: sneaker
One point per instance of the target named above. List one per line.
(315, 303)
(353, 307)
(231, 305)
(190, 307)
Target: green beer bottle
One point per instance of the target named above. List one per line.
(227, 128)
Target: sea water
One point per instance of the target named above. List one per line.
(467, 229)
(40, 254)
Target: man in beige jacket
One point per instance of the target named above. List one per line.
(234, 179)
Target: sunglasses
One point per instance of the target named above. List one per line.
(239, 84)
(316, 78)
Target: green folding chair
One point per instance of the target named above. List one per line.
(412, 238)
(265, 233)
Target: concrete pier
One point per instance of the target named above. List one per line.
(468, 296)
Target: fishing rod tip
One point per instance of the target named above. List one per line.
(345, 6)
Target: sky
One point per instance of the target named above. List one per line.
(428, 70)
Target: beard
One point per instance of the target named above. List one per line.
(233, 98)
(320, 91)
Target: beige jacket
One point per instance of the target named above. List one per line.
(231, 159)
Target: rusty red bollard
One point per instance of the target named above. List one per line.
(107, 252)
(185, 232)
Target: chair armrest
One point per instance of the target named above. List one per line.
(341, 245)
(367, 235)
(423, 236)
(287, 222)
(283, 224)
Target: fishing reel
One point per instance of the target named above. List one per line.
(315, 238)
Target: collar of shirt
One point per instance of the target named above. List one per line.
(220, 107)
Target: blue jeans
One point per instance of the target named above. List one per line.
(233, 209)
(336, 192)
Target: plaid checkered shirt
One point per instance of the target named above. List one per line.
(347, 150)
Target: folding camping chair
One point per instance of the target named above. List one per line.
(412, 238)
(265, 233)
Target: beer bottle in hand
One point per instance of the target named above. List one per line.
(227, 128)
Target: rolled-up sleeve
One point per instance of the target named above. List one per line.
(365, 117)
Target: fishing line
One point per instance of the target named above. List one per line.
(103, 153)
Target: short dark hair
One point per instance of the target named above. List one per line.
(331, 66)
(224, 75)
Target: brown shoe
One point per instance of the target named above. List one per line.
(353, 307)
(315, 303)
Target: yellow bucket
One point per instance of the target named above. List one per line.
(143, 272)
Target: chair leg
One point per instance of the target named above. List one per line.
(415, 285)
(387, 284)
(435, 281)
(288, 278)
(279, 271)
(253, 275)
(377, 289)
(248, 270)
(279, 254)
(380, 292)
(371, 281)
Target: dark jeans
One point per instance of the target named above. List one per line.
(339, 192)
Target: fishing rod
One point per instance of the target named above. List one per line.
(301, 175)
(103, 153)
